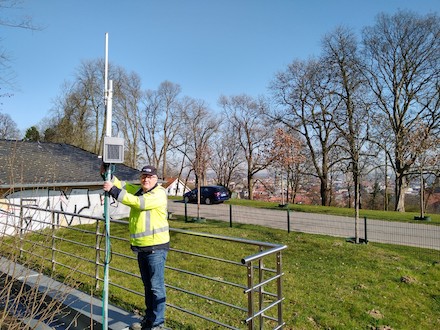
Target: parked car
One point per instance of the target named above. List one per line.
(209, 195)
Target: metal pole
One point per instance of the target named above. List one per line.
(250, 284)
(279, 289)
(97, 254)
(52, 215)
(107, 256)
(288, 220)
(230, 215)
(108, 93)
(260, 289)
(365, 230)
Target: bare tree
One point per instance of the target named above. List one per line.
(341, 56)
(72, 123)
(307, 107)
(9, 19)
(195, 141)
(127, 102)
(254, 138)
(227, 156)
(89, 80)
(287, 156)
(8, 127)
(79, 112)
(426, 148)
(160, 123)
(402, 53)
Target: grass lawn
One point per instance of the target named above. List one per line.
(332, 284)
(327, 284)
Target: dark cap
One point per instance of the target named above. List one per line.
(149, 170)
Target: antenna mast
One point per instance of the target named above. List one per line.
(108, 91)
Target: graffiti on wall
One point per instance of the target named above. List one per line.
(76, 202)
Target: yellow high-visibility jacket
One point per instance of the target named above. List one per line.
(148, 219)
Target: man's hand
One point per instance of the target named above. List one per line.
(104, 168)
(107, 186)
(111, 189)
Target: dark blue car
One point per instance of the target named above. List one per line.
(209, 195)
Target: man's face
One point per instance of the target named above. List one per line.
(148, 181)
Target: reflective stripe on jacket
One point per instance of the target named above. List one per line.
(148, 219)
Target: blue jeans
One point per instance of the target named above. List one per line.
(152, 268)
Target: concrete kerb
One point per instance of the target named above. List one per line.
(81, 310)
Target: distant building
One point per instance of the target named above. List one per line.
(175, 187)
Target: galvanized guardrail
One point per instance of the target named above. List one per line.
(249, 299)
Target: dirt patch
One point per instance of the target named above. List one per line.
(408, 279)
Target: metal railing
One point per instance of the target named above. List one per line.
(237, 290)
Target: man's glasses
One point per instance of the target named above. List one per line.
(149, 177)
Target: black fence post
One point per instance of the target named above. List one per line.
(365, 230)
(186, 212)
(288, 220)
(230, 215)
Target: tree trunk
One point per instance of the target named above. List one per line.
(250, 187)
(324, 191)
(357, 201)
(400, 193)
(164, 159)
(386, 198)
(422, 195)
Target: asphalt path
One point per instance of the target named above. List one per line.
(401, 233)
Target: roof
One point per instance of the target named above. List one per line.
(26, 163)
(169, 181)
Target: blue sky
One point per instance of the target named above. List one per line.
(208, 47)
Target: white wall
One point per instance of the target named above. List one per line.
(175, 189)
(81, 201)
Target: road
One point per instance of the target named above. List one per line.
(401, 233)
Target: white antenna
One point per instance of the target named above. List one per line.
(113, 147)
(105, 69)
(108, 127)
(108, 92)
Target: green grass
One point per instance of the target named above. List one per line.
(333, 210)
(331, 284)
(328, 283)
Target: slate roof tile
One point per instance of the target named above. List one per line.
(25, 162)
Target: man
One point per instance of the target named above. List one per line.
(149, 239)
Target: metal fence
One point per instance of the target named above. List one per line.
(401, 233)
(236, 290)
